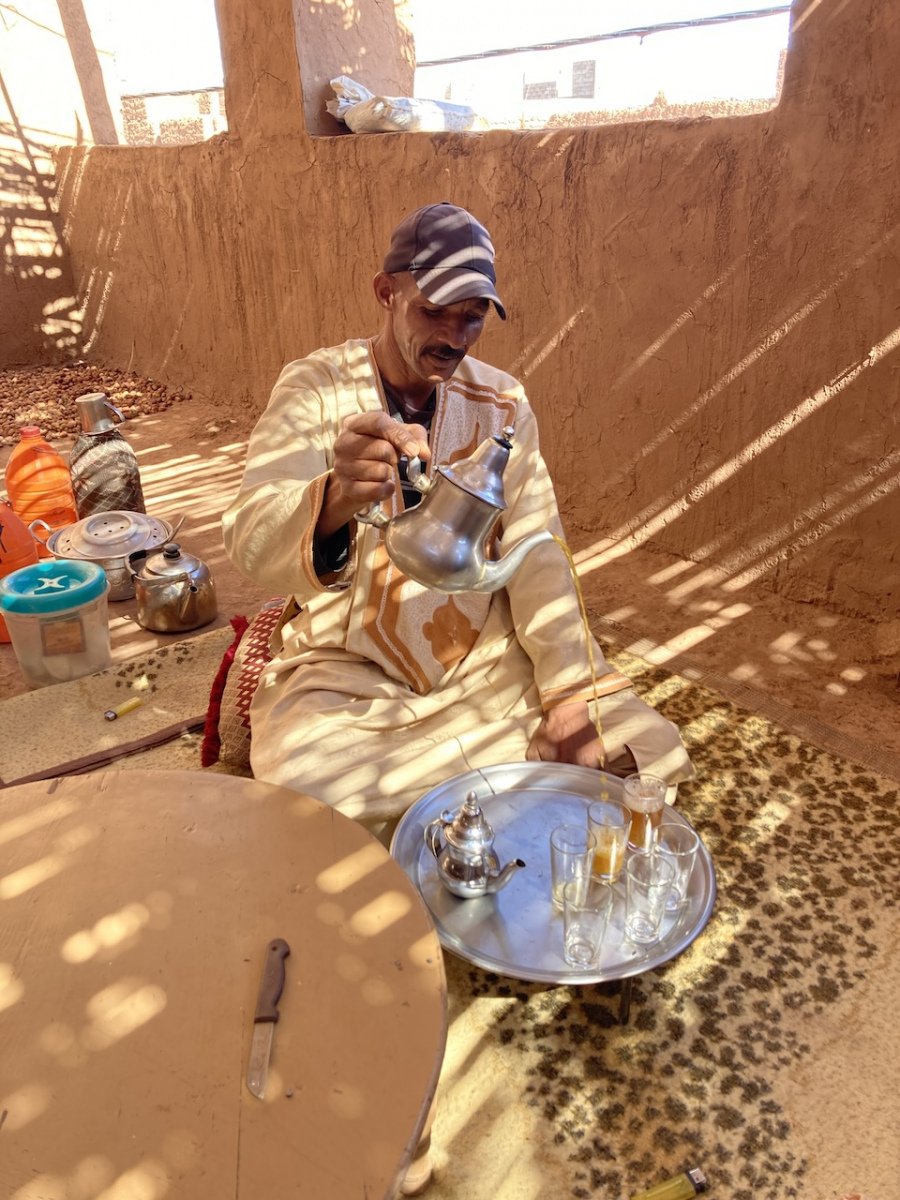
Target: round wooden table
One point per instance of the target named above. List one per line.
(135, 911)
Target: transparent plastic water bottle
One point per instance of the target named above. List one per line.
(38, 483)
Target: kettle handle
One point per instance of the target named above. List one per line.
(112, 408)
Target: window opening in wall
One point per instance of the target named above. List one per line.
(169, 66)
(580, 62)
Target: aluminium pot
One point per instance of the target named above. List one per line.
(108, 539)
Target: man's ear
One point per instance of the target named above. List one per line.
(384, 288)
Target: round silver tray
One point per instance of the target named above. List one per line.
(517, 931)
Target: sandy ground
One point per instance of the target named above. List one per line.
(837, 670)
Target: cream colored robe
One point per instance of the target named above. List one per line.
(381, 688)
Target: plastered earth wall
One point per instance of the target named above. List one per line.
(703, 313)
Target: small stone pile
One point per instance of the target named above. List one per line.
(45, 396)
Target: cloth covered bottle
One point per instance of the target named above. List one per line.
(17, 549)
(38, 483)
(104, 468)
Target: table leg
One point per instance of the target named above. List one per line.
(625, 1000)
(418, 1173)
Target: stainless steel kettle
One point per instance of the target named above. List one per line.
(467, 864)
(441, 542)
(174, 591)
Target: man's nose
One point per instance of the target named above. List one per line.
(455, 331)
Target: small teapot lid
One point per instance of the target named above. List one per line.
(169, 560)
(469, 829)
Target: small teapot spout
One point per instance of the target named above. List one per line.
(498, 572)
(499, 879)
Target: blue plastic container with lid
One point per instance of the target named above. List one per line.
(56, 613)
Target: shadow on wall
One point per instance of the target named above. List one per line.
(720, 352)
(39, 313)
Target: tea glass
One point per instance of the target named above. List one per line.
(586, 905)
(645, 795)
(571, 855)
(648, 880)
(610, 822)
(678, 844)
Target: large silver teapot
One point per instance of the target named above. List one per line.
(441, 542)
(463, 843)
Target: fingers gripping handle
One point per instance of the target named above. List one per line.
(374, 514)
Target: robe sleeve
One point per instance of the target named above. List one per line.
(269, 527)
(542, 595)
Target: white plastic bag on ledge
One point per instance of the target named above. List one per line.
(363, 112)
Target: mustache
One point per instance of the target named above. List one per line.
(446, 352)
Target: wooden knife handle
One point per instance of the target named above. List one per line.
(272, 981)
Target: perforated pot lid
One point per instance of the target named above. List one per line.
(113, 534)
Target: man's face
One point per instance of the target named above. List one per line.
(431, 339)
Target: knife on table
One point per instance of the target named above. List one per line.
(266, 1015)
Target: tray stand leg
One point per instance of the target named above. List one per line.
(625, 1000)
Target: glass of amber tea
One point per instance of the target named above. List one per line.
(645, 795)
(610, 823)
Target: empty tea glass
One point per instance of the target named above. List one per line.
(645, 795)
(609, 821)
(571, 855)
(678, 844)
(648, 879)
(586, 905)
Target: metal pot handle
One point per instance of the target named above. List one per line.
(34, 533)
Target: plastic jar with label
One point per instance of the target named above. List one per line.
(57, 616)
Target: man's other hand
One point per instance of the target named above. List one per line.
(365, 454)
(567, 735)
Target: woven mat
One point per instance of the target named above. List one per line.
(51, 726)
(766, 1054)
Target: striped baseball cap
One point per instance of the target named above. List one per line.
(448, 253)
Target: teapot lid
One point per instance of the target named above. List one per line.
(469, 829)
(169, 560)
(481, 475)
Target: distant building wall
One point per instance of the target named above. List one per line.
(174, 119)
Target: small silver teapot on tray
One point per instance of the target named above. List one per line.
(467, 864)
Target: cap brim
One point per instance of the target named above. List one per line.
(449, 285)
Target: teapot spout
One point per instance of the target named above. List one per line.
(501, 878)
(498, 572)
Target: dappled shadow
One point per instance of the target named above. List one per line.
(37, 291)
(137, 920)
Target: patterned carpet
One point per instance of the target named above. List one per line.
(765, 1054)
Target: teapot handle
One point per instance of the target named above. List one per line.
(433, 836)
(374, 514)
(415, 473)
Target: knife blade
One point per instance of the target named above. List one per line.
(266, 1015)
